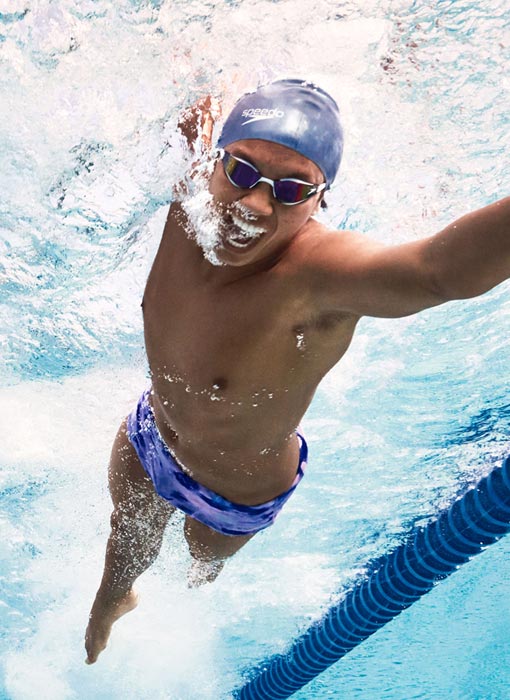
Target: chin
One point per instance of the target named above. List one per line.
(237, 257)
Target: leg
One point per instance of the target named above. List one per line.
(138, 523)
(209, 550)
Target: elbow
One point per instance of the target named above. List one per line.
(439, 288)
(446, 281)
(453, 287)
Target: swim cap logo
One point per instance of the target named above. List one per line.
(260, 114)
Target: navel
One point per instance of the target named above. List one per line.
(219, 384)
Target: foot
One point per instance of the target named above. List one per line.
(201, 572)
(104, 613)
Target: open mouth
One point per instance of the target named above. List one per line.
(245, 232)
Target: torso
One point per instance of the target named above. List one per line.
(235, 366)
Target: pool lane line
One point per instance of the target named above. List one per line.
(430, 554)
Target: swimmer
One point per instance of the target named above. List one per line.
(249, 303)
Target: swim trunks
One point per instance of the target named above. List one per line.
(172, 484)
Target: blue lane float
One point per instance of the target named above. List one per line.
(430, 554)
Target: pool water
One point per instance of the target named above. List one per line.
(90, 93)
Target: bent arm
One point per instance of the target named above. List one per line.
(197, 123)
(467, 258)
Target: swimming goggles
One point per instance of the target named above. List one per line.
(288, 191)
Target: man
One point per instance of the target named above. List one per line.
(249, 303)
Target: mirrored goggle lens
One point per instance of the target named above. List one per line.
(291, 192)
(240, 174)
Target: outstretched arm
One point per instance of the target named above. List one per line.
(472, 255)
(467, 258)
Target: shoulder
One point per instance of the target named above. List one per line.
(337, 268)
(320, 250)
(316, 255)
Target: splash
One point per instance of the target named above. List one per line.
(208, 222)
(244, 212)
(204, 221)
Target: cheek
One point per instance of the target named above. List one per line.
(297, 216)
(220, 187)
(214, 182)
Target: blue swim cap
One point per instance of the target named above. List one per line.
(295, 114)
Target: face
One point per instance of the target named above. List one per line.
(255, 226)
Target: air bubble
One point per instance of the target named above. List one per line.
(203, 222)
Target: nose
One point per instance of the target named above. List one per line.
(259, 199)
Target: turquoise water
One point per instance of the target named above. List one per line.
(89, 98)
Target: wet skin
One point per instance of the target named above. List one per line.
(236, 351)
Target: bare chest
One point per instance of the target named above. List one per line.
(207, 336)
(234, 367)
(224, 357)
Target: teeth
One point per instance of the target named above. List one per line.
(248, 230)
(238, 243)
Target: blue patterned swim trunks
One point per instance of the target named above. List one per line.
(183, 492)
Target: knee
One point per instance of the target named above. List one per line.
(121, 519)
(201, 572)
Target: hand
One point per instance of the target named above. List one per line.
(198, 121)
